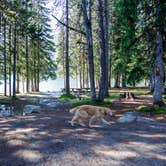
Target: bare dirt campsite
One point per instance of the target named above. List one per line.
(82, 83)
(47, 138)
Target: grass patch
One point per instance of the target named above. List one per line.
(89, 102)
(5, 101)
(112, 96)
(152, 109)
(66, 97)
(164, 96)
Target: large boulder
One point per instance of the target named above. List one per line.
(28, 109)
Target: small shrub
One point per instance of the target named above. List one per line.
(89, 102)
(66, 97)
(152, 109)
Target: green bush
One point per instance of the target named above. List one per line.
(152, 109)
(89, 102)
(66, 97)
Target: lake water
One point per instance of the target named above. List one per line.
(49, 86)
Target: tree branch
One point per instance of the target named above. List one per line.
(71, 28)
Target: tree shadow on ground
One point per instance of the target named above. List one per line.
(48, 139)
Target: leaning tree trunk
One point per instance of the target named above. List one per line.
(159, 72)
(88, 27)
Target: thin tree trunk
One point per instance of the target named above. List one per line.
(10, 60)
(102, 84)
(124, 80)
(117, 81)
(18, 67)
(27, 64)
(38, 65)
(67, 50)
(14, 60)
(88, 27)
(151, 66)
(106, 28)
(5, 62)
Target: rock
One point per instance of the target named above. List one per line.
(54, 104)
(2, 107)
(6, 113)
(132, 113)
(44, 101)
(126, 119)
(28, 109)
(129, 117)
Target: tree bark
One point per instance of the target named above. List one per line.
(159, 72)
(67, 50)
(10, 59)
(27, 63)
(88, 27)
(159, 68)
(14, 60)
(102, 84)
(5, 62)
(106, 28)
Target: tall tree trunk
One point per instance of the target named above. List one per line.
(27, 58)
(14, 60)
(89, 40)
(117, 81)
(159, 72)
(151, 64)
(110, 72)
(10, 59)
(106, 28)
(67, 50)
(159, 68)
(151, 73)
(27, 63)
(124, 80)
(102, 84)
(38, 67)
(5, 62)
(18, 67)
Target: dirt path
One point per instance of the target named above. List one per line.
(47, 139)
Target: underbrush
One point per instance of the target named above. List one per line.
(89, 102)
(152, 109)
(67, 97)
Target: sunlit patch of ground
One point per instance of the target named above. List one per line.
(48, 139)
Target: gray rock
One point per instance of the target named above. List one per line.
(54, 104)
(132, 113)
(44, 101)
(28, 109)
(127, 119)
(6, 113)
(2, 107)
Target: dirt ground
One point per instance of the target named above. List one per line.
(47, 139)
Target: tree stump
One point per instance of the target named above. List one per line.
(127, 96)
